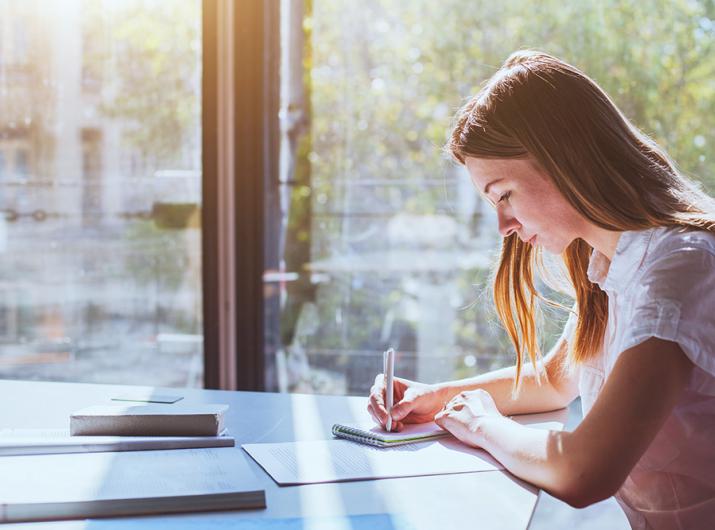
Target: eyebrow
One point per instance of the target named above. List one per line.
(486, 188)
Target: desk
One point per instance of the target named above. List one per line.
(492, 499)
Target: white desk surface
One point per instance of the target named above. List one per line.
(492, 499)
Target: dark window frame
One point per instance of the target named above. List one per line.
(240, 132)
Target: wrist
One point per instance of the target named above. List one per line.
(484, 426)
(445, 392)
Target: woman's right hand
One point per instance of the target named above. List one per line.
(413, 402)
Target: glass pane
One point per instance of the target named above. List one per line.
(382, 242)
(100, 190)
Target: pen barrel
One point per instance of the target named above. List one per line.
(389, 361)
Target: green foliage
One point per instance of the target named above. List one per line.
(156, 48)
(156, 257)
(299, 226)
(387, 76)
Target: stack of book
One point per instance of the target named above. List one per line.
(101, 466)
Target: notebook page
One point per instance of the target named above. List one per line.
(415, 430)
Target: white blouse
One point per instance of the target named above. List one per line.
(661, 283)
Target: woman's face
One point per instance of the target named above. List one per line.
(527, 202)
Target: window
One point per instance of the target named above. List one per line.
(100, 181)
(373, 239)
(368, 238)
(22, 170)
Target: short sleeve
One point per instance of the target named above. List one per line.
(675, 301)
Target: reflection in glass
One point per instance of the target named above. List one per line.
(100, 123)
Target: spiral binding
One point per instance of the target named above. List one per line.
(356, 435)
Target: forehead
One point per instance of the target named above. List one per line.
(485, 170)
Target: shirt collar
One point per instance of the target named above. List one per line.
(615, 274)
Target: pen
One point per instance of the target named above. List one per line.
(388, 359)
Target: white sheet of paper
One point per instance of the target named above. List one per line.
(97, 476)
(338, 460)
(341, 460)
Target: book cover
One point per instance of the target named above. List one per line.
(15, 442)
(149, 420)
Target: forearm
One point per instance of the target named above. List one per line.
(592, 462)
(533, 396)
(538, 456)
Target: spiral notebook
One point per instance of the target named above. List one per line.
(372, 434)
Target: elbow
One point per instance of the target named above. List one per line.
(582, 488)
(583, 497)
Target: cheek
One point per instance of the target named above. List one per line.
(533, 214)
(547, 211)
(548, 218)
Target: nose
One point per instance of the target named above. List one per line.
(508, 224)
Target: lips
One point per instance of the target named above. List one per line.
(532, 241)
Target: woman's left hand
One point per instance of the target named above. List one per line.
(464, 415)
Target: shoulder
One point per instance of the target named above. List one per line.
(675, 239)
(677, 257)
(675, 297)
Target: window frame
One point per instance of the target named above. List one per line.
(240, 133)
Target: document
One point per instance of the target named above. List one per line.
(74, 486)
(15, 442)
(312, 462)
(338, 460)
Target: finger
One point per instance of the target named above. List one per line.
(374, 416)
(449, 413)
(457, 429)
(379, 381)
(377, 399)
(378, 392)
(377, 413)
(402, 409)
(447, 422)
(455, 404)
(459, 398)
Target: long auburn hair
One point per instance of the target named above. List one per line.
(616, 177)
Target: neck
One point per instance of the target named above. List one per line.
(605, 241)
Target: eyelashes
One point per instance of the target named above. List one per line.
(502, 198)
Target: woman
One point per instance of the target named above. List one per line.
(567, 173)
